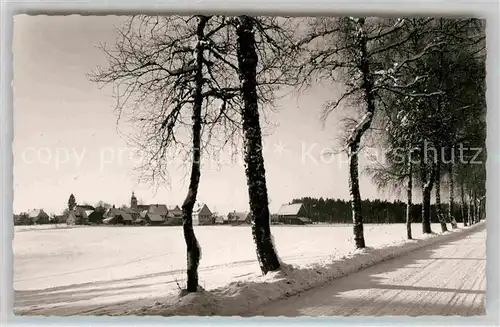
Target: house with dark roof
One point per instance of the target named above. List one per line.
(82, 213)
(38, 217)
(141, 220)
(154, 219)
(127, 218)
(160, 209)
(97, 216)
(175, 211)
(239, 218)
(173, 219)
(116, 216)
(154, 214)
(293, 214)
(134, 213)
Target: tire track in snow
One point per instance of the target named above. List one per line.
(164, 273)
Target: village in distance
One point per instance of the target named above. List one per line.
(151, 215)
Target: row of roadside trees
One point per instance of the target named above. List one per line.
(202, 83)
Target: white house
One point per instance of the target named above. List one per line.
(202, 215)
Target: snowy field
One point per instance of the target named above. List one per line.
(83, 255)
(126, 263)
(39, 227)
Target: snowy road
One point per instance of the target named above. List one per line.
(447, 278)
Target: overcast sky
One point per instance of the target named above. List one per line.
(66, 139)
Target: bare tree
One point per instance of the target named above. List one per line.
(161, 78)
(193, 248)
(262, 60)
(354, 51)
(164, 68)
(254, 161)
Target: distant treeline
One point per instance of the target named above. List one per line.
(374, 211)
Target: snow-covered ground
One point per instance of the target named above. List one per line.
(86, 270)
(38, 227)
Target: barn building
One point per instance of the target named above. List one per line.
(293, 214)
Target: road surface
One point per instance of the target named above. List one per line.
(448, 278)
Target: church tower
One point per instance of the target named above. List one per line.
(133, 201)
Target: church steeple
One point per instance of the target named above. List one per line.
(133, 201)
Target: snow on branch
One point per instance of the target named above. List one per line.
(387, 47)
(360, 128)
(364, 120)
(400, 22)
(418, 56)
(182, 70)
(411, 84)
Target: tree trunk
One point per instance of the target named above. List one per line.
(463, 209)
(439, 208)
(476, 207)
(409, 200)
(452, 197)
(254, 161)
(426, 199)
(470, 212)
(193, 248)
(355, 137)
(483, 208)
(479, 211)
(357, 217)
